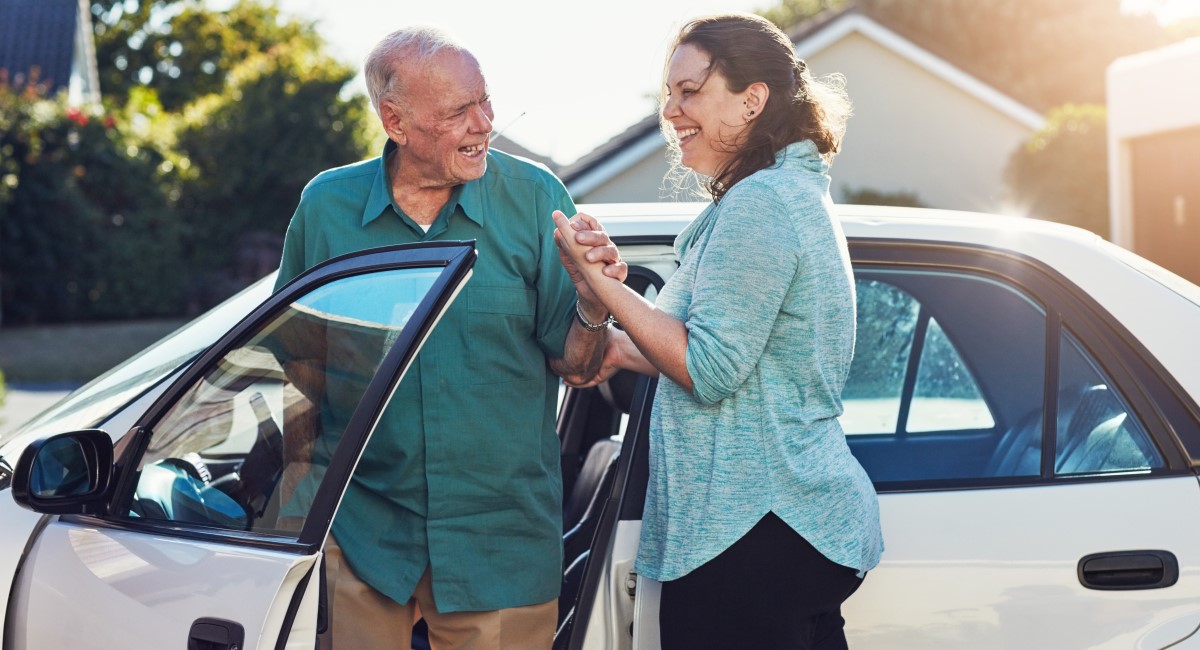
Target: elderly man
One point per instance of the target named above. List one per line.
(454, 511)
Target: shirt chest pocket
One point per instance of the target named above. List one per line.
(501, 344)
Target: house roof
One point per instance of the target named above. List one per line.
(38, 34)
(643, 138)
(614, 152)
(510, 146)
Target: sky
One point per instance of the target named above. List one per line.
(564, 75)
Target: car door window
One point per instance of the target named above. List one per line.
(948, 383)
(246, 445)
(947, 378)
(1097, 432)
(887, 322)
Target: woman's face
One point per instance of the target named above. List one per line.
(709, 120)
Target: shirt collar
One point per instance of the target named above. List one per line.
(471, 198)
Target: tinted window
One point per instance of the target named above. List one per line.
(1097, 432)
(947, 379)
(945, 396)
(246, 446)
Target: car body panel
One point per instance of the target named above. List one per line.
(998, 568)
(117, 577)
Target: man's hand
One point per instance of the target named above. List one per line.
(610, 364)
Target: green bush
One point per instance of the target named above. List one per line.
(250, 150)
(86, 232)
(1061, 174)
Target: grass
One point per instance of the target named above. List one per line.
(74, 354)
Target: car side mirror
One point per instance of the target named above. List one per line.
(68, 473)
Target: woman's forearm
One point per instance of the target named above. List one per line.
(661, 339)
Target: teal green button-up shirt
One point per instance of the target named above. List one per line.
(462, 474)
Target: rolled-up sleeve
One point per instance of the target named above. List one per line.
(743, 277)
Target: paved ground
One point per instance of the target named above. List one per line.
(25, 401)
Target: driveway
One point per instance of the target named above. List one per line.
(23, 401)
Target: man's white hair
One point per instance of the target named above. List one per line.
(412, 45)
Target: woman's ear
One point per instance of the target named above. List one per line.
(756, 98)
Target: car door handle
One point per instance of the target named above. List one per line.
(1129, 570)
(216, 634)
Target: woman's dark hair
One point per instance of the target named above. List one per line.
(747, 49)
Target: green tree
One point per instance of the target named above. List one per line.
(1061, 174)
(789, 13)
(249, 149)
(85, 229)
(181, 49)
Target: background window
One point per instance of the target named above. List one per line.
(946, 397)
(1097, 432)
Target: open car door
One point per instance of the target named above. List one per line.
(208, 529)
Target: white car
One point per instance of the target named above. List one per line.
(1023, 394)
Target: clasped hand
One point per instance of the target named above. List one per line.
(588, 255)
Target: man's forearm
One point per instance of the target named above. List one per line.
(582, 354)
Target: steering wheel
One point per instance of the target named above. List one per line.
(176, 489)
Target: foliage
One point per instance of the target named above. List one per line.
(789, 13)
(213, 123)
(868, 196)
(83, 207)
(1062, 172)
(249, 150)
(182, 50)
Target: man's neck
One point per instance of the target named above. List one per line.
(419, 199)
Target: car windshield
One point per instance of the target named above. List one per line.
(100, 398)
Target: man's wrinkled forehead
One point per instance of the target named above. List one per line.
(447, 78)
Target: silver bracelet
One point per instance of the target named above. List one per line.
(593, 327)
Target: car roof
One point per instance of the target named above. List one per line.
(1159, 308)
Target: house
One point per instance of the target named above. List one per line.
(1154, 155)
(921, 126)
(53, 37)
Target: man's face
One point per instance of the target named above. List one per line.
(444, 121)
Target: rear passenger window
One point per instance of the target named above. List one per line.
(945, 396)
(1097, 432)
(948, 377)
(950, 381)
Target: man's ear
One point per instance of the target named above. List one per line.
(393, 122)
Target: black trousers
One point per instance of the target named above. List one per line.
(770, 590)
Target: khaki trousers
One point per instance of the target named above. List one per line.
(362, 618)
